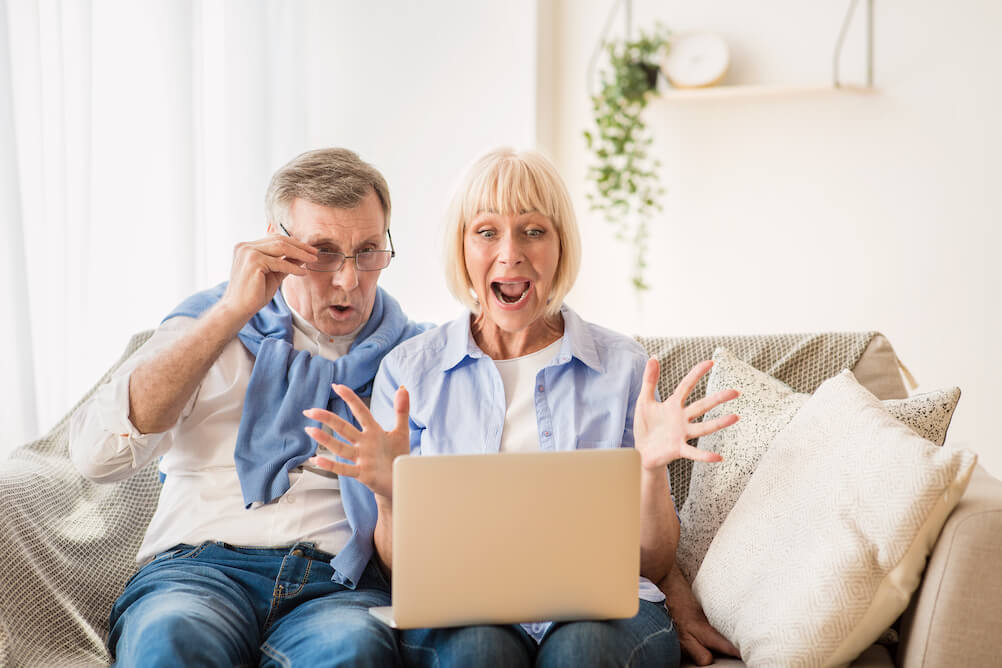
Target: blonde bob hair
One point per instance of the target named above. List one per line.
(511, 182)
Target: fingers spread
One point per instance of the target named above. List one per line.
(339, 468)
(402, 405)
(357, 406)
(339, 448)
(650, 380)
(710, 426)
(691, 379)
(697, 408)
(338, 425)
(697, 455)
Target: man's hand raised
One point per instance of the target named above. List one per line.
(159, 388)
(259, 268)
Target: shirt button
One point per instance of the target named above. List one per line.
(546, 433)
(540, 388)
(290, 498)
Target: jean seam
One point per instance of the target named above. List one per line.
(302, 583)
(275, 654)
(279, 593)
(193, 553)
(629, 660)
(434, 653)
(275, 600)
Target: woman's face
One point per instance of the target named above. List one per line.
(512, 261)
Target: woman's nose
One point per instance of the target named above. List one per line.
(511, 251)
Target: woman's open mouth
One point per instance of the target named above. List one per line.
(510, 293)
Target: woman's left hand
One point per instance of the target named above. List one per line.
(661, 430)
(371, 450)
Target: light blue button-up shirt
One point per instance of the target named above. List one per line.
(584, 397)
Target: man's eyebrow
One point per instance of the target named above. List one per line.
(374, 240)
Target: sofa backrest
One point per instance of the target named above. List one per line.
(68, 545)
(802, 361)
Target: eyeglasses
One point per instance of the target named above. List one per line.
(365, 260)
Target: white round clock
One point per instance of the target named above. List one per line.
(696, 60)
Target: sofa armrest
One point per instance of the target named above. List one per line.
(953, 617)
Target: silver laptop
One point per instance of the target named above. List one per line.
(508, 538)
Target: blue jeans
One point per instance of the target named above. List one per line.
(648, 639)
(219, 605)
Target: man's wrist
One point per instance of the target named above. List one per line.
(228, 320)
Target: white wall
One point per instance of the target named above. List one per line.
(827, 211)
(431, 86)
(182, 133)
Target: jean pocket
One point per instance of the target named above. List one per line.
(173, 552)
(189, 551)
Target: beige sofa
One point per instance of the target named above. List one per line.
(67, 545)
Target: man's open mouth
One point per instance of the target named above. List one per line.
(510, 292)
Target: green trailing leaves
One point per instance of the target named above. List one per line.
(624, 173)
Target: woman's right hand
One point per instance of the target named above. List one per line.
(371, 450)
(662, 430)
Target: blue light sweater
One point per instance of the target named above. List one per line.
(284, 382)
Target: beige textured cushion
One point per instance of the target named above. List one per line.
(766, 405)
(826, 544)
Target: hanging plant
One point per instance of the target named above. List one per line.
(627, 188)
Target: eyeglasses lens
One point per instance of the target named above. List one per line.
(364, 261)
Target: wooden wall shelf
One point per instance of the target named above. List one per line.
(672, 95)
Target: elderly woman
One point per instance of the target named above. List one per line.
(523, 372)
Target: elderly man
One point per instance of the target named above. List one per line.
(253, 555)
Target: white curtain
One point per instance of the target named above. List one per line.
(136, 141)
(137, 138)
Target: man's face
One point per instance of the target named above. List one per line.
(336, 302)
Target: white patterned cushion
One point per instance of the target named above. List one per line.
(766, 405)
(828, 541)
(803, 361)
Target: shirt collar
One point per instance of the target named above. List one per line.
(459, 343)
(577, 342)
(318, 337)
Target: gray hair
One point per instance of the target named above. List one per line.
(334, 177)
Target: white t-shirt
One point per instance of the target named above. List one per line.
(201, 497)
(521, 432)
